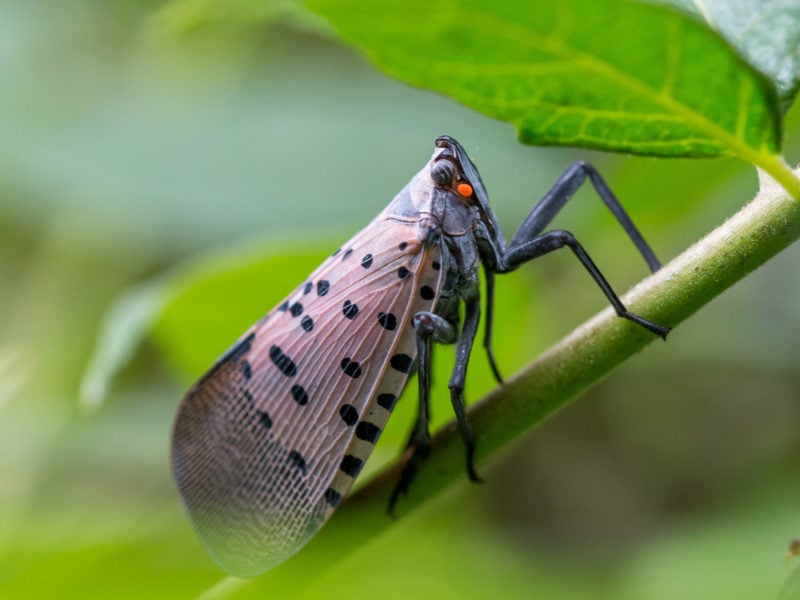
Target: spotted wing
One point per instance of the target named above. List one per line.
(269, 440)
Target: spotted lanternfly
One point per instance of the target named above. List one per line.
(268, 442)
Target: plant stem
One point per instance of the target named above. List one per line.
(781, 172)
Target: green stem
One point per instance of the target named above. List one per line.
(767, 225)
(780, 172)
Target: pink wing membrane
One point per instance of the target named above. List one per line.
(272, 437)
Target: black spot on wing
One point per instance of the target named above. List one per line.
(350, 310)
(241, 348)
(369, 432)
(297, 460)
(247, 370)
(351, 368)
(299, 394)
(349, 414)
(284, 363)
(234, 353)
(387, 321)
(333, 497)
(264, 419)
(323, 286)
(387, 401)
(401, 362)
(351, 465)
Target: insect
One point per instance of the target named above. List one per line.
(267, 443)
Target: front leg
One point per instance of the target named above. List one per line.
(551, 204)
(530, 242)
(528, 249)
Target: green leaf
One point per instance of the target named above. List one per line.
(791, 589)
(224, 295)
(766, 33)
(124, 328)
(219, 295)
(595, 73)
(179, 16)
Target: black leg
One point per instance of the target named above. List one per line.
(563, 189)
(526, 250)
(471, 318)
(487, 337)
(428, 326)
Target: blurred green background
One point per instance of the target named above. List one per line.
(137, 141)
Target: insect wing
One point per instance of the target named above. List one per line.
(267, 442)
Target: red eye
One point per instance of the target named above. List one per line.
(464, 189)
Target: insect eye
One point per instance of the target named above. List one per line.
(442, 173)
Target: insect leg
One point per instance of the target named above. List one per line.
(487, 336)
(472, 315)
(525, 250)
(562, 190)
(429, 327)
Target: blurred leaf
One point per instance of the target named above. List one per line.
(473, 561)
(766, 33)
(15, 371)
(179, 16)
(126, 324)
(595, 73)
(195, 313)
(216, 299)
(791, 589)
(735, 555)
